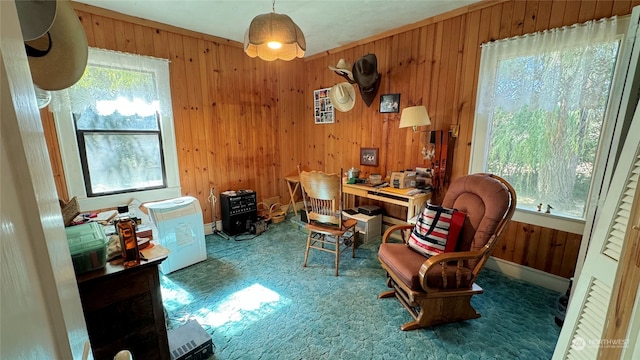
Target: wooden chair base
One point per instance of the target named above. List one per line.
(436, 308)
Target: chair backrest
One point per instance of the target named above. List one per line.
(489, 202)
(322, 196)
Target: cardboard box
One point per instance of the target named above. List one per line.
(403, 179)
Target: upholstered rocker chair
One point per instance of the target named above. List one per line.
(328, 231)
(438, 289)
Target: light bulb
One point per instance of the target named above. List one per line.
(274, 44)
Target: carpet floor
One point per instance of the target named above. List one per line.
(255, 299)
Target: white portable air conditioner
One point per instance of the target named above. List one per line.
(178, 226)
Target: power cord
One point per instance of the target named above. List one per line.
(239, 238)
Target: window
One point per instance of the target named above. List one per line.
(123, 146)
(542, 100)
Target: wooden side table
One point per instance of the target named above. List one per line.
(295, 181)
(123, 310)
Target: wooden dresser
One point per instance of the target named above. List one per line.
(123, 310)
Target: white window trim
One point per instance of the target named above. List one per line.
(70, 154)
(479, 153)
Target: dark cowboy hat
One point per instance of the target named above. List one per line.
(368, 94)
(365, 71)
(366, 75)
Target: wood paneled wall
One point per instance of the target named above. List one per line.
(435, 64)
(235, 117)
(243, 123)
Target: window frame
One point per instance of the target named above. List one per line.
(84, 161)
(480, 148)
(68, 141)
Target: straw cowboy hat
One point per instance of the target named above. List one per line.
(59, 57)
(366, 75)
(342, 96)
(343, 68)
(36, 17)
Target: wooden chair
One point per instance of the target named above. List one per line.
(438, 289)
(322, 196)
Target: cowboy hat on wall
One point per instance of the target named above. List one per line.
(342, 96)
(343, 68)
(366, 75)
(58, 57)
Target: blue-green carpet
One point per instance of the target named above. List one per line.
(258, 302)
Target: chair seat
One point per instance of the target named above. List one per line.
(332, 230)
(406, 264)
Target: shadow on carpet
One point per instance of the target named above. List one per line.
(258, 302)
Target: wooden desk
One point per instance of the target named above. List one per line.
(123, 310)
(413, 203)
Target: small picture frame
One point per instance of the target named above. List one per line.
(369, 156)
(390, 103)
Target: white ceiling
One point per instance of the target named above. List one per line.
(326, 24)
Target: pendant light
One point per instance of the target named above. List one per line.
(274, 36)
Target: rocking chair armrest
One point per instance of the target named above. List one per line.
(444, 259)
(394, 228)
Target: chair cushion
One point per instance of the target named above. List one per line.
(485, 200)
(406, 263)
(332, 230)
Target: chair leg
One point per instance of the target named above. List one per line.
(353, 244)
(337, 253)
(306, 251)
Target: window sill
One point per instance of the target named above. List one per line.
(575, 226)
(112, 201)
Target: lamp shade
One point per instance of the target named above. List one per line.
(414, 116)
(274, 36)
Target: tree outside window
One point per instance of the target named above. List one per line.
(544, 98)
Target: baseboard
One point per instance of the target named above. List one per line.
(531, 275)
(208, 227)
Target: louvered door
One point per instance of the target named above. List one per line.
(581, 334)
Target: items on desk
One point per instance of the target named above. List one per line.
(403, 179)
(87, 245)
(128, 241)
(353, 173)
(375, 179)
(424, 178)
(370, 210)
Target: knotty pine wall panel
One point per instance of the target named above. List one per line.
(236, 119)
(245, 123)
(436, 63)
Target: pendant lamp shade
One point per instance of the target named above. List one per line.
(274, 36)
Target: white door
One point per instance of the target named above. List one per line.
(581, 334)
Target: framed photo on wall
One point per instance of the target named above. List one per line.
(369, 156)
(390, 103)
(323, 109)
